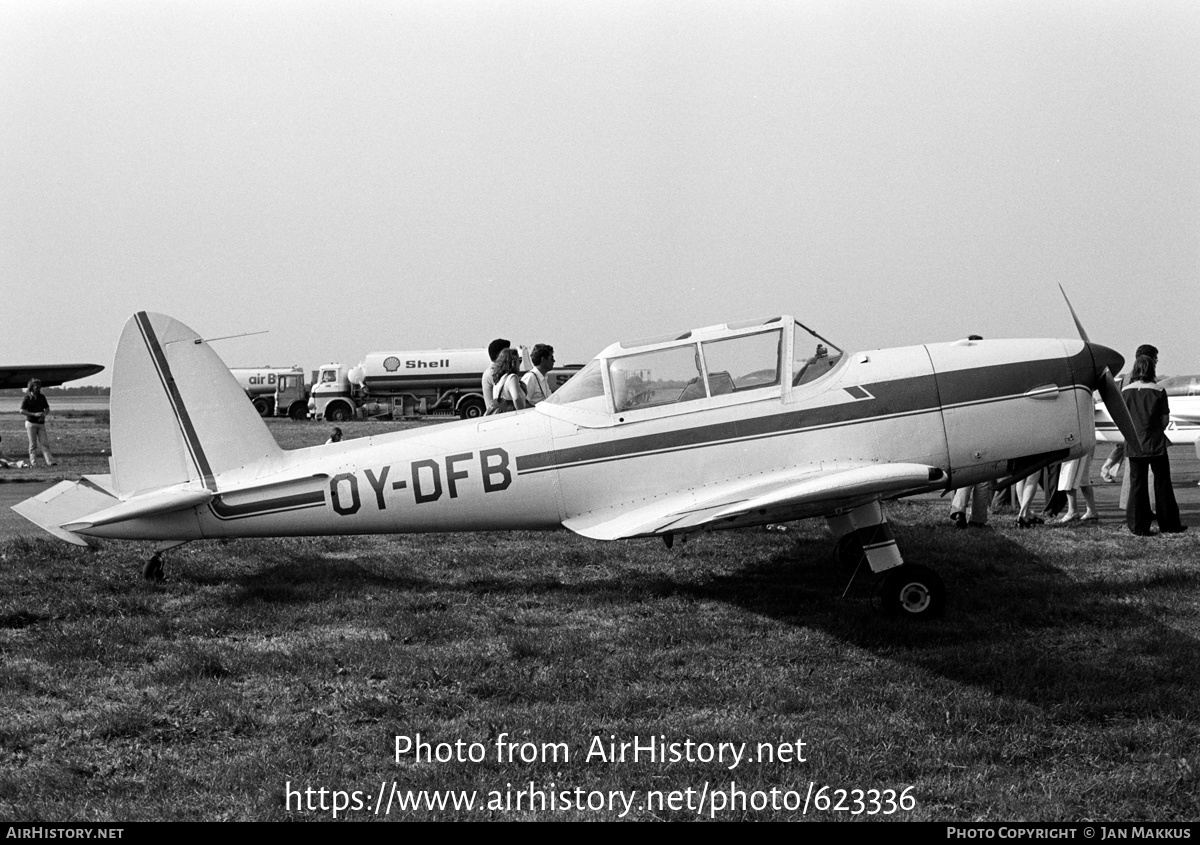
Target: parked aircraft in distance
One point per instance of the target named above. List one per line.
(1183, 396)
(50, 375)
(721, 427)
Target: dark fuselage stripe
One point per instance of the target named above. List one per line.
(294, 502)
(191, 440)
(891, 399)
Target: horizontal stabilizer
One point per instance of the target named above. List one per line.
(150, 504)
(65, 503)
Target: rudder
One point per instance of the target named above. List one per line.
(177, 413)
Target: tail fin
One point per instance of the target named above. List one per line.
(177, 414)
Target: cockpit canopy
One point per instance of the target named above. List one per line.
(744, 358)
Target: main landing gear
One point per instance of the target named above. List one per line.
(908, 590)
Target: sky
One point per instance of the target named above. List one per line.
(358, 176)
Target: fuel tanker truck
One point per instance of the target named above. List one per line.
(391, 385)
(275, 391)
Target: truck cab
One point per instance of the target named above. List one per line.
(291, 396)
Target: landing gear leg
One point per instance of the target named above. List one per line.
(153, 570)
(907, 589)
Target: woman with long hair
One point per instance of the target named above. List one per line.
(506, 375)
(1147, 404)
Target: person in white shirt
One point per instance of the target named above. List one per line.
(537, 385)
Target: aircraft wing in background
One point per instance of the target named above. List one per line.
(1184, 425)
(51, 375)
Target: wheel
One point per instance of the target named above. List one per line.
(913, 591)
(153, 570)
(298, 411)
(262, 406)
(471, 409)
(337, 412)
(848, 552)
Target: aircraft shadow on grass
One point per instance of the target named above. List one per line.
(1019, 627)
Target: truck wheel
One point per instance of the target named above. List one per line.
(337, 412)
(262, 407)
(298, 411)
(471, 409)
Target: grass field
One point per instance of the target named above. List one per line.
(1060, 685)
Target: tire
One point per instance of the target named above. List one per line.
(471, 409)
(263, 407)
(338, 412)
(153, 570)
(913, 591)
(298, 411)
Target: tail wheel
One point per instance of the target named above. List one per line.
(913, 591)
(153, 570)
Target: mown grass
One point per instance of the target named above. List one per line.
(1061, 684)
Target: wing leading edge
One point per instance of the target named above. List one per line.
(688, 511)
(49, 375)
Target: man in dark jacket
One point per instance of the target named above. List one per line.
(1147, 404)
(34, 408)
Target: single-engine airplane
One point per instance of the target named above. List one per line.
(50, 375)
(721, 427)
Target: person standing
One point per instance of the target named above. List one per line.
(1024, 491)
(1147, 452)
(34, 408)
(508, 393)
(978, 497)
(536, 383)
(1075, 478)
(1112, 465)
(487, 384)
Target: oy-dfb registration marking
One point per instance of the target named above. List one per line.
(425, 479)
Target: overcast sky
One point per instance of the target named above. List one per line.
(356, 176)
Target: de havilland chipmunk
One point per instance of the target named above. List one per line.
(721, 427)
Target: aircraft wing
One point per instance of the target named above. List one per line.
(1184, 425)
(50, 375)
(694, 510)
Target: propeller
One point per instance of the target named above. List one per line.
(1106, 360)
